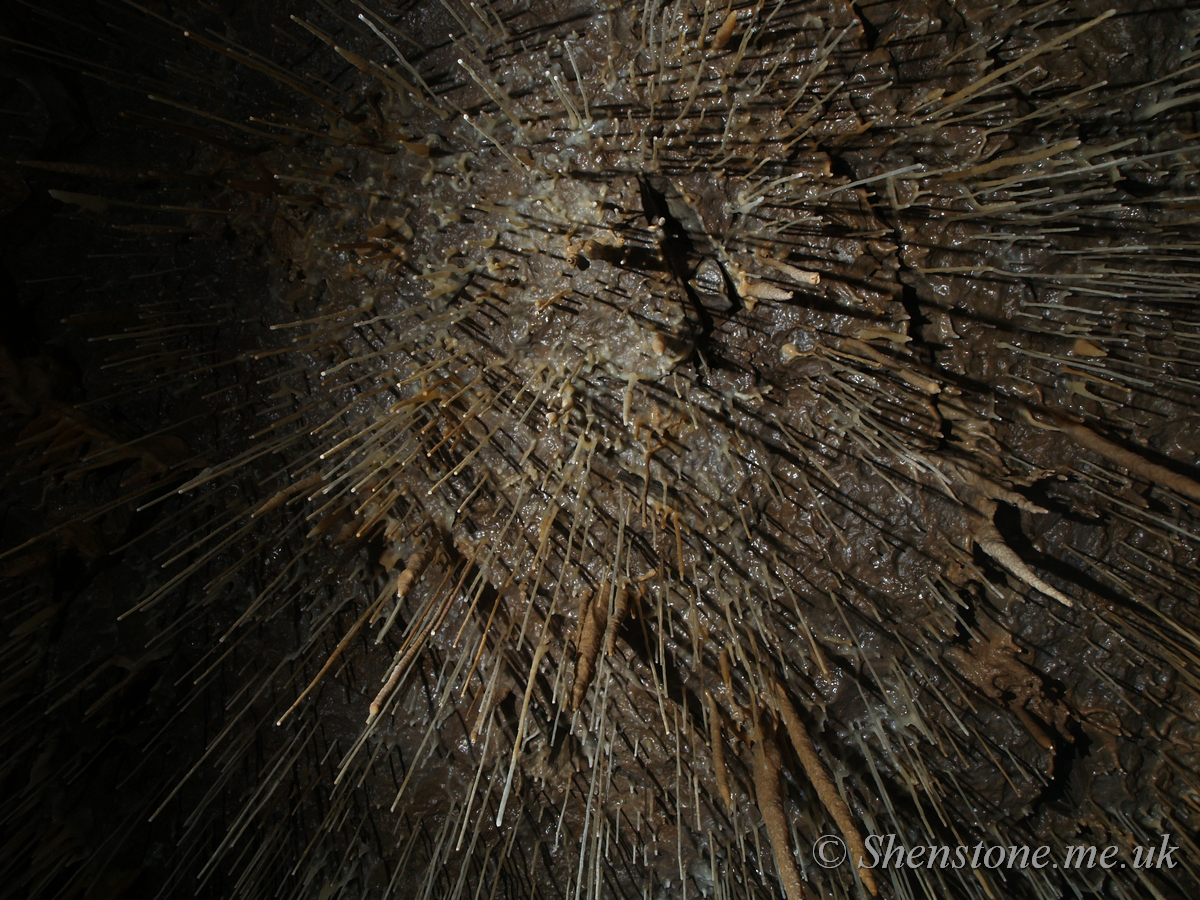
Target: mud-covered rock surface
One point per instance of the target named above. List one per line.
(523, 450)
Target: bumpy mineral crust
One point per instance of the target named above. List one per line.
(615, 446)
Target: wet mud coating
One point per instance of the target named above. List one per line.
(566, 450)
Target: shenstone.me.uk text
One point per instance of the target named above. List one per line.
(887, 851)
